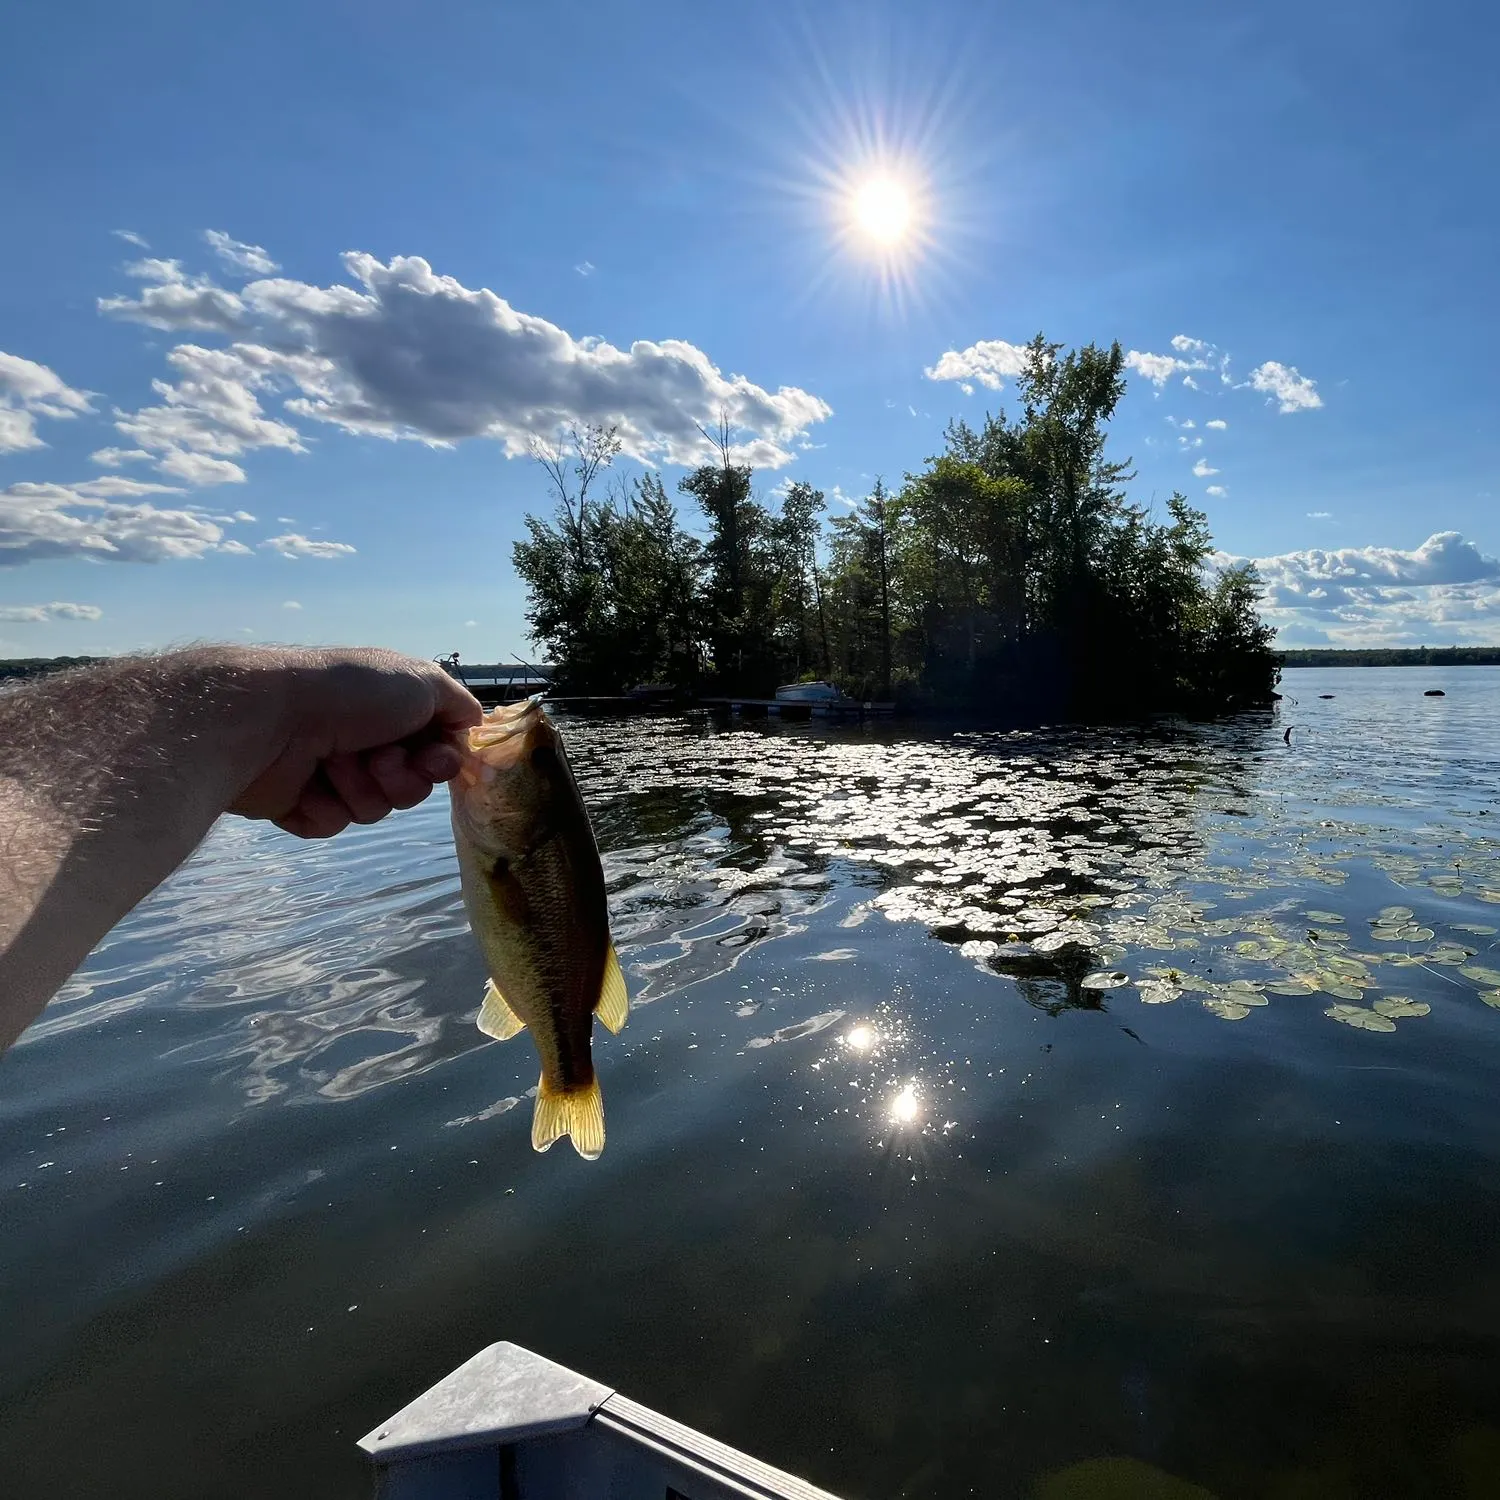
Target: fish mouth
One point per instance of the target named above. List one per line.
(504, 724)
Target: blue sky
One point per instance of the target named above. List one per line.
(436, 230)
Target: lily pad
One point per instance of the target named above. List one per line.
(1109, 979)
(1360, 1018)
(1477, 928)
(1412, 933)
(1290, 987)
(1155, 992)
(1323, 916)
(1491, 998)
(1480, 974)
(1398, 1007)
(1396, 914)
(1226, 1010)
(1331, 984)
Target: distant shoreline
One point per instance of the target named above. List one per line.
(1417, 656)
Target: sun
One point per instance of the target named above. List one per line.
(882, 210)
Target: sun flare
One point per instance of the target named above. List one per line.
(882, 211)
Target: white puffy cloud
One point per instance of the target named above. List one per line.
(984, 363)
(1217, 425)
(1217, 491)
(1185, 345)
(1159, 368)
(1203, 468)
(40, 521)
(1446, 590)
(176, 301)
(131, 238)
(38, 614)
(1292, 390)
(290, 604)
(408, 354)
(28, 391)
(585, 268)
(292, 545)
(112, 458)
(238, 255)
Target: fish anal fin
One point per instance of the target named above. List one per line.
(614, 1001)
(496, 1018)
(576, 1113)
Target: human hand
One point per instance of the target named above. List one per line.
(356, 733)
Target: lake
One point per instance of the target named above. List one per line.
(980, 1117)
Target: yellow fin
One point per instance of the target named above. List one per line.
(614, 1000)
(578, 1113)
(496, 1018)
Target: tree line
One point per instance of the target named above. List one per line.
(1011, 573)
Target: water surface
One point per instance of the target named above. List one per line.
(981, 1115)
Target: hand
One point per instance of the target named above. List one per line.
(356, 734)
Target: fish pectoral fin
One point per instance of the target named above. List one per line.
(614, 1001)
(576, 1113)
(496, 1018)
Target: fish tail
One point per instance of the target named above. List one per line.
(577, 1113)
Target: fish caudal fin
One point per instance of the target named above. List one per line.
(496, 1018)
(614, 1001)
(577, 1113)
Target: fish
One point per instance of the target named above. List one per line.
(534, 890)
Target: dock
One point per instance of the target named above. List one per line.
(783, 708)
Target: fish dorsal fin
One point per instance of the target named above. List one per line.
(496, 1018)
(614, 1001)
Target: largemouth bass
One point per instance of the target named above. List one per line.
(534, 890)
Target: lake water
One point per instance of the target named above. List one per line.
(979, 1117)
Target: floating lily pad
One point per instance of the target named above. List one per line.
(1491, 998)
(1331, 984)
(1396, 914)
(1493, 897)
(1360, 1018)
(1239, 986)
(1154, 992)
(1412, 933)
(1480, 974)
(1477, 928)
(1226, 1010)
(1290, 987)
(1398, 1007)
(1109, 979)
(1322, 916)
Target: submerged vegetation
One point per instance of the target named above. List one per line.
(1012, 574)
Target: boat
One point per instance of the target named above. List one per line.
(810, 692)
(512, 1425)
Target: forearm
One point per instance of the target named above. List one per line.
(109, 778)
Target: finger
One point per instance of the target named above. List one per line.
(319, 813)
(350, 778)
(437, 762)
(393, 772)
(455, 707)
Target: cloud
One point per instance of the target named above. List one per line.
(585, 268)
(1159, 368)
(131, 238)
(407, 354)
(290, 604)
(238, 255)
(112, 458)
(41, 521)
(292, 545)
(1284, 384)
(1173, 422)
(242, 515)
(28, 391)
(1185, 345)
(1203, 468)
(1446, 590)
(1217, 425)
(1320, 515)
(984, 363)
(1216, 490)
(176, 301)
(37, 614)
(470, 624)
